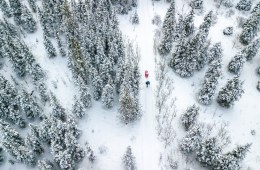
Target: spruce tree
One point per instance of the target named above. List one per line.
(45, 165)
(135, 18)
(210, 82)
(5, 8)
(27, 21)
(78, 108)
(244, 5)
(34, 144)
(60, 45)
(208, 152)
(230, 93)
(32, 4)
(108, 96)
(97, 84)
(129, 160)
(236, 64)
(188, 24)
(28, 105)
(51, 51)
(256, 9)
(57, 110)
(16, 7)
(251, 50)
(250, 29)
(196, 4)
(168, 30)
(215, 52)
(15, 145)
(189, 117)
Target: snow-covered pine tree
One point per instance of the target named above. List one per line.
(97, 84)
(196, 4)
(29, 106)
(2, 157)
(189, 117)
(34, 144)
(15, 145)
(192, 140)
(188, 24)
(129, 160)
(207, 23)
(250, 29)
(85, 96)
(135, 18)
(251, 50)
(210, 82)
(129, 108)
(45, 165)
(168, 30)
(27, 21)
(178, 30)
(108, 96)
(16, 7)
(51, 51)
(5, 9)
(208, 152)
(9, 106)
(256, 9)
(57, 110)
(60, 45)
(16, 57)
(215, 52)
(78, 108)
(240, 152)
(230, 93)
(32, 4)
(236, 64)
(38, 77)
(244, 5)
(12, 30)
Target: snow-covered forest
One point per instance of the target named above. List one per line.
(129, 84)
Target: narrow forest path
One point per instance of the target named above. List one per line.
(145, 34)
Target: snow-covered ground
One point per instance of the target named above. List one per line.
(109, 138)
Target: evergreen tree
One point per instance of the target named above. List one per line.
(34, 144)
(188, 24)
(216, 52)
(168, 30)
(78, 108)
(2, 158)
(97, 85)
(57, 110)
(45, 165)
(256, 9)
(192, 140)
(208, 153)
(244, 5)
(179, 29)
(108, 96)
(32, 4)
(14, 144)
(51, 51)
(129, 160)
(29, 106)
(27, 21)
(250, 29)
(196, 4)
(135, 18)
(16, 7)
(189, 117)
(9, 106)
(17, 58)
(251, 50)
(60, 45)
(236, 64)
(210, 82)
(85, 96)
(230, 93)
(240, 152)
(5, 8)
(129, 108)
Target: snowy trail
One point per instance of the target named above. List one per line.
(149, 146)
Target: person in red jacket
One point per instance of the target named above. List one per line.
(146, 74)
